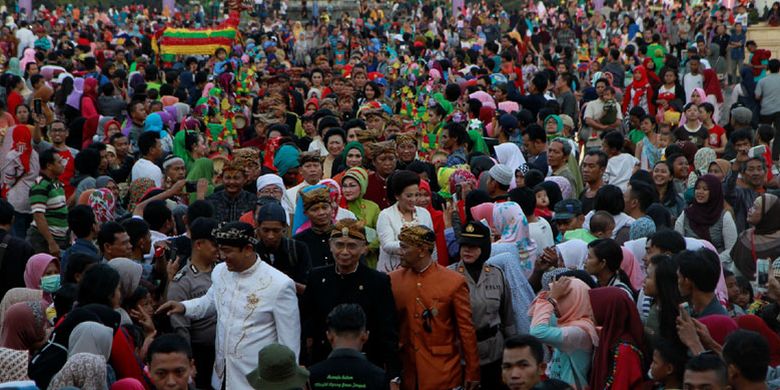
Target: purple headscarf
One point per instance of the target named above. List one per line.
(74, 99)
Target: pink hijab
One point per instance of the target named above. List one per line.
(29, 57)
(632, 268)
(484, 98)
(574, 307)
(35, 268)
(483, 211)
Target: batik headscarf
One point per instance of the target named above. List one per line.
(13, 365)
(300, 220)
(103, 204)
(701, 162)
(138, 188)
(82, 371)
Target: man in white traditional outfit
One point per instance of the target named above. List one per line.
(255, 305)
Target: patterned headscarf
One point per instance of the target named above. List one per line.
(335, 192)
(360, 175)
(316, 196)
(138, 188)
(404, 138)
(247, 156)
(509, 221)
(379, 148)
(103, 204)
(563, 184)
(462, 176)
(417, 235)
(83, 371)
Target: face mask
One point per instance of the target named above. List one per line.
(50, 283)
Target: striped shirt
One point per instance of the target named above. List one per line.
(48, 197)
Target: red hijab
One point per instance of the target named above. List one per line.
(640, 88)
(106, 126)
(618, 318)
(425, 186)
(23, 144)
(756, 324)
(486, 115)
(712, 84)
(89, 130)
(719, 326)
(90, 90)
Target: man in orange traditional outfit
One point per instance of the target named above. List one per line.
(434, 313)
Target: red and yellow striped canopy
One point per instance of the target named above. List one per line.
(190, 41)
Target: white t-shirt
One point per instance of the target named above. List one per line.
(691, 82)
(619, 170)
(541, 232)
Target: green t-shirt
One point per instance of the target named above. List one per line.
(658, 54)
(582, 234)
(635, 136)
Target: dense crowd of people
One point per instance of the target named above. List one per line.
(416, 195)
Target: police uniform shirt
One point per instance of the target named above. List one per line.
(190, 283)
(491, 310)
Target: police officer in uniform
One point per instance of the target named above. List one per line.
(193, 281)
(491, 301)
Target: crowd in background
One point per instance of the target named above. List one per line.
(415, 195)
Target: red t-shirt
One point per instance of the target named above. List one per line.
(68, 161)
(715, 132)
